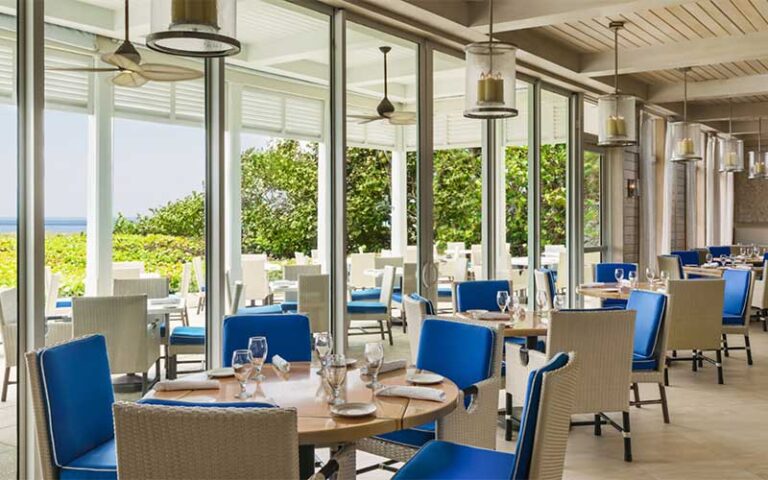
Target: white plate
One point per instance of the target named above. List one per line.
(354, 410)
(424, 378)
(476, 312)
(221, 372)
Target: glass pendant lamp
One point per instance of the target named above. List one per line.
(686, 136)
(194, 28)
(490, 81)
(616, 111)
(730, 149)
(758, 159)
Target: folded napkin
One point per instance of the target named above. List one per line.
(183, 384)
(711, 264)
(389, 366)
(493, 316)
(283, 365)
(418, 393)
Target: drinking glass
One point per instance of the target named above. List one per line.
(258, 348)
(664, 277)
(541, 300)
(374, 359)
(558, 302)
(323, 346)
(243, 366)
(515, 303)
(632, 278)
(619, 274)
(651, 275)
(709, 258)
(336, 375)
(502, 300)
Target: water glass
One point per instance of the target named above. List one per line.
(243, 366)
(323, 346)
(664, 277)
(541, 300)
(632, 278)
(619, 274)
(258, 348)
(709, 258)
(502, 300)
(374, 359)
(558, 302)
(650, 274)
(336, 375)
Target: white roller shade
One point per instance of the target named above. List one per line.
(66, 89)
(287, 116)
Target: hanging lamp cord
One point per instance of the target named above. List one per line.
(616, 60)
(490, 35)
(685, 95)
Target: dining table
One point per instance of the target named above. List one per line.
(303, 389)
(529, 324)
(716, 271)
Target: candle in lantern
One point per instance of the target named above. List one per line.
(200, 12)
(615, 126)
(490, 89)
(730, 159)
(685, 147)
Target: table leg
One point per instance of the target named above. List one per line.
(531, 342)
(306, 461)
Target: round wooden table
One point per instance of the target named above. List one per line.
(531, 325)
(303, 390)
(613, 291)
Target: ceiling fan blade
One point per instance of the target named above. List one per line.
(402, 118)
(370, 120)
(120, 61)
(169, 73)
(81, 69)
(129, 79)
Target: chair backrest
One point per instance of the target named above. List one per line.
(197, 266)
(158, 441)
(519, 278)
(9, 325)
(720, 250)
(237, 296)
(606, 272)
(254, 256)
(738, 287)
(126, 273)
(72, 399)
(650, 308)
(151, 287)
(687, 257)
(301, 259)
(293, 272)
(457, 268)
(287, 335)
(672, 264)
(387, 286)
(186, 280)
(476, 254)
(590, 260)
(255, 280)
(603, 340)
(314, 292)
(411, 253)
(415, 307)
(553, 249)
(702, 253)
(546, 418)
(545, 281)
(381, 262)
(52, 293)
(358, 264)
(455, 247)
(122, 320)
(9, 306)
(694, 314)
(409, 284)
(759, 292)
(315, 253)
(460, 351)
(129, 265)
(479, 294)
(504, 265)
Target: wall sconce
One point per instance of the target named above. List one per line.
(633, 190)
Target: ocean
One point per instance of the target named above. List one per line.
(53, 225)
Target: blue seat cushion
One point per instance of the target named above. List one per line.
(479, 294)
(64, 302)
(615, 303)
(289, 306)
(365, 294)
(366, 307)
(737, 283)
(180, 403)
(411, 437)
(77, 387)
(430, 307)
(640, 362)
(187, 336)
(731, 319)
(718, 251)
(606, 272)
(445, 460)
(649, 308)
(444, 291)
(98, 463)
(262, 310)
(288, 335)
(687, 257)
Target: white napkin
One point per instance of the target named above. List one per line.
(418, 393)
(389, 366)
(182, 384)
(593, 285)
(711, 264)
(281, 364)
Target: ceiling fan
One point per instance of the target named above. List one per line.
(131, 72)
(385, 110)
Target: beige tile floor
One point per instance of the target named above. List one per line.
(717, 431)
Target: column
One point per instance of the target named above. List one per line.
(233, 184)
(98, 277)
(503, 260)
(399, 219)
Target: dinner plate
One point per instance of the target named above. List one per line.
(354, 410)
(477, 312)
(221, 372)
(424, 378)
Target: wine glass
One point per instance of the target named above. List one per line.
(708, 258)
(258, 348)
(502, 300)
(515, 303)
(336, 375)
(323, 346)
(664, 277)
(243, 366)
(541, 300)
(650, 275)
(558, 302)
(374, 359)
(619, 274)
(632, 278)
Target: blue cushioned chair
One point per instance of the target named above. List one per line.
(718, 251)
(363, 294)
(649, 348)
(688, 257)
(476, 371)
(606, 272)
(183, 341)
(72, 397)
(738, 298)
(366, 317)
(288, 335)
(274, 309)
(429, 307)
(538, 435)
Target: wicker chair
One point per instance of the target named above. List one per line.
(256, 282)
(603, 340)
(739, 286)
(540, 449)
(368, 318)
(314, 292)
(416, 309)
(472, 423)
(197, 269)
(760, 298)
(186, 442)
(408, 285)
(358, 264)
(695, 322)
(545, 282)
(122, 321)
(672, 265)
(151, 287)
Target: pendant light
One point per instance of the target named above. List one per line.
(758, 160)
(686, 136)
(730, 149)
(616, 110)
(194, 28)
(490, 80)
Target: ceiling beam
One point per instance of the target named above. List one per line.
(732, 87)
(721, 112)
(706, 51)
(542, 46)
